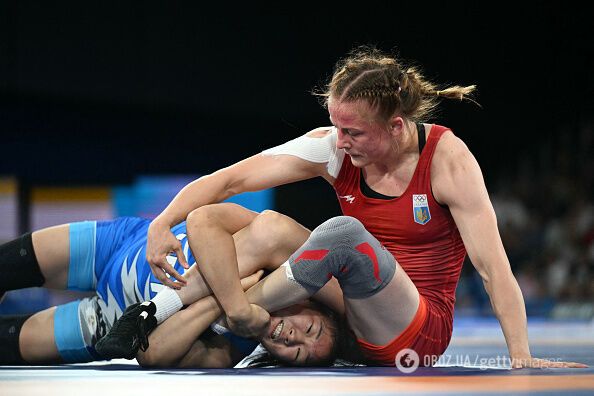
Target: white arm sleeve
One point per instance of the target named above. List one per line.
(313, 149)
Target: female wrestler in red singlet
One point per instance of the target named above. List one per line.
(408, 188)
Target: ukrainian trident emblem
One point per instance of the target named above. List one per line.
(421, 209)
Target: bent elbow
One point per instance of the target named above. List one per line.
(227, 183)
(152, 358)
(145, 359)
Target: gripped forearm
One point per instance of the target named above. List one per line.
(187, 325)
(276, 291)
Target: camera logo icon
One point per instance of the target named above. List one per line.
(407, 361)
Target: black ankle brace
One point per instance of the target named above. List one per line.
(10, 330)
(18, 265)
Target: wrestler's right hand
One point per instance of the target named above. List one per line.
(160, 243)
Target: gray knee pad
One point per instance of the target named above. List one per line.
(343, 248)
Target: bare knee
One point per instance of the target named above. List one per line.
(203, 220)
(270, 221)
(226, 217)
(276, 235)
(266, 230)
(202, 217)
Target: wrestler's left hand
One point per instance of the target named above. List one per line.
(251, 280)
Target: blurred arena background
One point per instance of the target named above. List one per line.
(109, 109)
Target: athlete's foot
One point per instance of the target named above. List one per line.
(122, 341)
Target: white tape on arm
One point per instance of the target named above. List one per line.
(313, 149)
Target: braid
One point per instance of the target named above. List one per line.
(388, 86)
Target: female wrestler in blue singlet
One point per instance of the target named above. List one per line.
(109, 257)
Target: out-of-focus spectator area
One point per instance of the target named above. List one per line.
(544, 201)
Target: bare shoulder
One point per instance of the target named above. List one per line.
(449, 148)
(451, 154)
(320, 132)
(453, 167)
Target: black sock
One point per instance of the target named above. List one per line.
(10, 330)
(18, 265)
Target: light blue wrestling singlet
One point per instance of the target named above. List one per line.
(109, 257)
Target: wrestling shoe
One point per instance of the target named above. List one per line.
(122, 341)
(146, 324)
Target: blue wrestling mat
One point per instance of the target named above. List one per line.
(475, 363)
